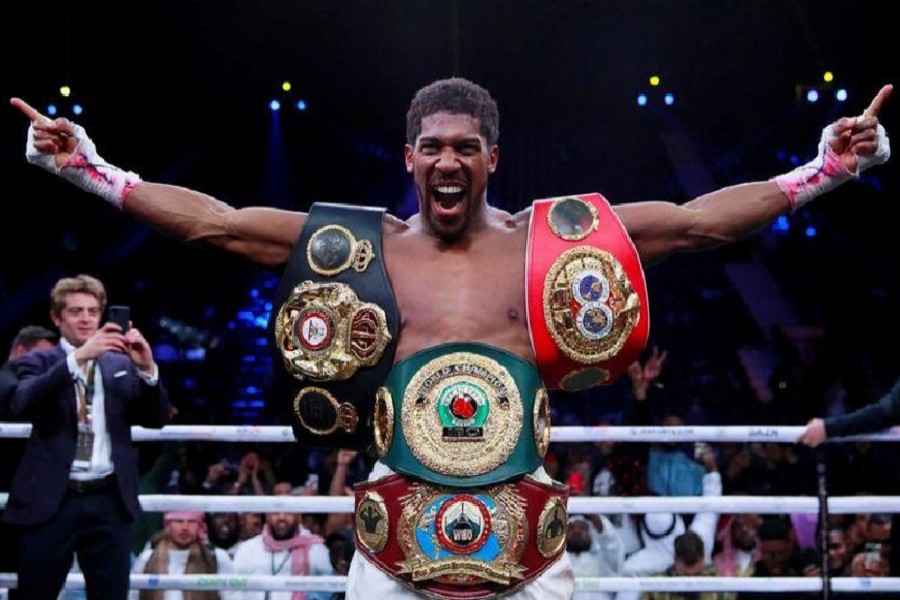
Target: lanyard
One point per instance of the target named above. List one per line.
(278, 570)
(86, 394)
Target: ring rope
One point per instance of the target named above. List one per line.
(274, 433)
(331, 583)
(772, 505)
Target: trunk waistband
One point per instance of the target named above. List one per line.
(462, 415)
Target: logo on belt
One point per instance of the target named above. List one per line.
(333, 249)
(462, 397)
(325, 333)
(372, 522)
(590, 306)
(457, 537)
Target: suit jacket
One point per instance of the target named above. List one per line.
(8, 381)
(45, 396)
(873, 417)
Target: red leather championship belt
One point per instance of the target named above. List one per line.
(461, 543)
(588, 315)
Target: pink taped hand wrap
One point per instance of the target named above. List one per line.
(826, 171)
(86, 169)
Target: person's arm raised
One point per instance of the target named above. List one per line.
(848, 147)
(262, 235)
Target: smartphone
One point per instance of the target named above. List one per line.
(119, 314)
(873, 555)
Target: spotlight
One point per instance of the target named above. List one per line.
(828, 76)
(841, 95)
(810, 232)
(669, 99)
(654, 80)
(301, 104)
(642, 99)
(286, 86)
(275, 105)
(51, 109)
(77, 109)
(65, 91)
(812, 96)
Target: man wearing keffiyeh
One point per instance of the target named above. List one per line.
(182, 547)
(283, 548)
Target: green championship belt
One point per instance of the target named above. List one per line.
(334, 326)
(462, 415)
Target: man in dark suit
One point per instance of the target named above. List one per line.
(30, 337)
(76, 488)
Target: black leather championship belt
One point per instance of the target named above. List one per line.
(335, 326)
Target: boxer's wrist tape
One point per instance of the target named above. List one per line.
(827, 171)
(87, 169)
(820, 175)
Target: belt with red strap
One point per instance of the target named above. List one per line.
(461, 543)
(588, 314)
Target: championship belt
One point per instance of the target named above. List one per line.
(334, 325)
(470, 543)
(462, 415)
(587, 308)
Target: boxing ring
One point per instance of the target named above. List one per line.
(577, 505)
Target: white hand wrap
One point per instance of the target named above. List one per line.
(86, 169)
(826, 171)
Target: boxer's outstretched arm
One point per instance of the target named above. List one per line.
(263, 235)
(848, 147)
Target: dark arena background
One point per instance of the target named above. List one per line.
(181, 92)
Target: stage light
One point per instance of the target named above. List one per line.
(65, 91)
(301, 104)
(841, 95)
(654, 80)
(781, 224)
(51, 109)
(77, 109)
(286, 86)
(810, 231)
(812, 96)
(642, 99)
(669, 99)
(828, 76)
(275, 105)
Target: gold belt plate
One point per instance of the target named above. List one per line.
(325, 333)
(462, 414)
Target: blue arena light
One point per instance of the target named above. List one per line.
(76, 109)
(51, 109)
(841, 95)
(301, 105)
(795, 160)
(810, 231)
(669, 99)
(812, 96)
(642, 99)
(275, 105)
(781, 224)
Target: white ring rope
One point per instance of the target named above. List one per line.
(274, 433)
(772, 505)
(239, 582)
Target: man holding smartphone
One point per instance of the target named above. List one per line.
(76, 487)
